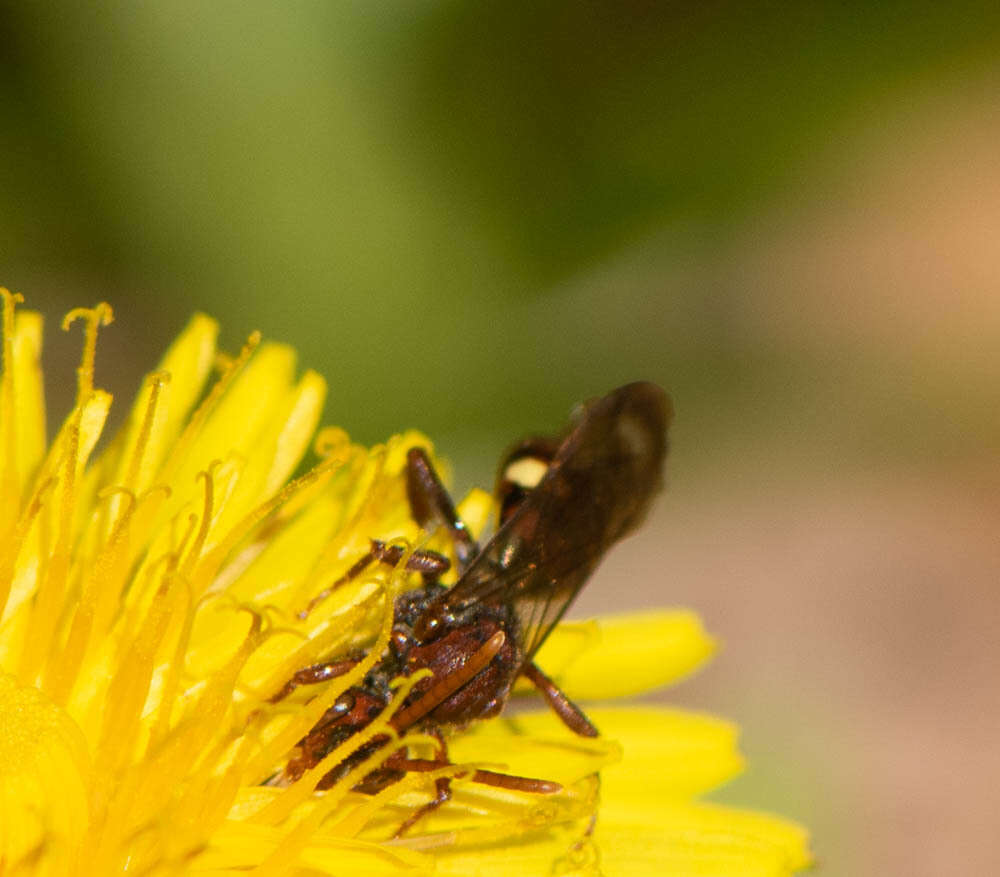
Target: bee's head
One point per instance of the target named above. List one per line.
(521, 470)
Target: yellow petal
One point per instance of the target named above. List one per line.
(696, 840)
(667, 754)
(533, 746)
(298, 421)
(239, 846)
(648, 824)
(44, 781)
(562, 850)
(476, 510)
(623, 655)
(188, 361)
(137, 455)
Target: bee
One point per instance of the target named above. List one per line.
(563, 502)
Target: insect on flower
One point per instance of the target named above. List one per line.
(563, 502)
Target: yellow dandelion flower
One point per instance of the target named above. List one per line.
(150, 590)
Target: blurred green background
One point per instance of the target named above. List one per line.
(469, 216)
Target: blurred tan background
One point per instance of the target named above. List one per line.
(470, 216)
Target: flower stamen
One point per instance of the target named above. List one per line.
(95, 317)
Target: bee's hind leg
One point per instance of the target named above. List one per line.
(573, 717)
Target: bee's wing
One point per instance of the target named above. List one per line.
(597, 488)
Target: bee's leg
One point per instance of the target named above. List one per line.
(517, 783)
(399, 761)
(442, 787)
(572, 716)
(483, 777)
(431, 504)
(430, 564)
(442, 795)
(316, 673)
